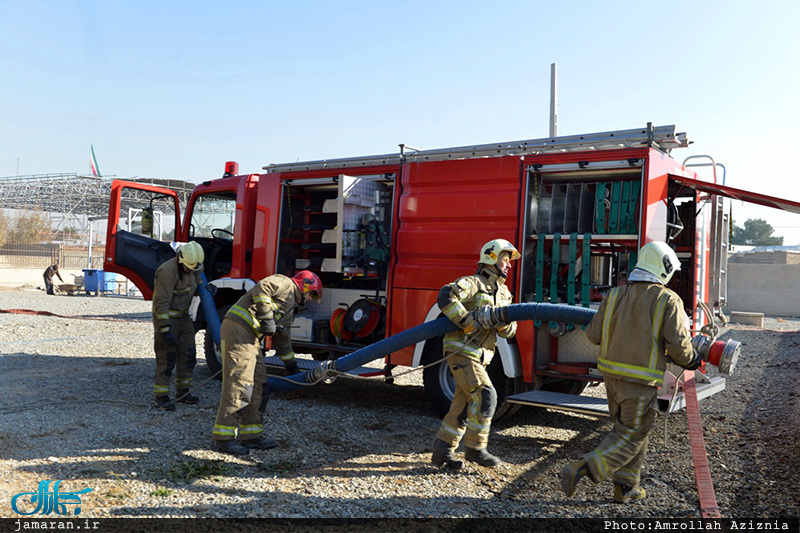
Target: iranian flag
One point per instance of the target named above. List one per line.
(93, 162)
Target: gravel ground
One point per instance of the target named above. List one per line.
(76, 406)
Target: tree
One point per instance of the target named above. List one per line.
(756, 232)
(32, 227)
(3, 228)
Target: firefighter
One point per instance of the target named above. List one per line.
(272, 301)
(637, 326)
(469, 302)
(49, 272)
(176, 281)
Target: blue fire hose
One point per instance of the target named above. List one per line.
(209, 309)
(429, 330)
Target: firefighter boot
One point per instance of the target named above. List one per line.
(443, 456)
(165, 403)
(572, 474)
(184, 396)
(623, 493)
(261, 443)
(482, 457)
(230, 446)
(291, 368)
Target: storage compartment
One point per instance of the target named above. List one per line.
(581, 228)
(337, 227)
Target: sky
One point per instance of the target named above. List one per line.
(175, 89)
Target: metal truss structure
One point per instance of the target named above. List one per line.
(73, 200)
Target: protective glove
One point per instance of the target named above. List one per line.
(695, 363)
(267, 326)
(487, 317)
(169, 338)
(468, 324)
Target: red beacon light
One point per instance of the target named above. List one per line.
(231, 169)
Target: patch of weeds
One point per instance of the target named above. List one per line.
(189, 471)
(117, 493)
(161, 491)
(279, 467)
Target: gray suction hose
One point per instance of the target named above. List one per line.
(512, 313)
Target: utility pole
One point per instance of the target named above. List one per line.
(553, 100)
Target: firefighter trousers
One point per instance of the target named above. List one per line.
(182, 358)
(633, 408)
(244, 376)
(473, 405)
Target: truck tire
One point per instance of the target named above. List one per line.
(440, 385)
(213, 357)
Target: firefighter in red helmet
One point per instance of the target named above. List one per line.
(470, 302)
(271, 302)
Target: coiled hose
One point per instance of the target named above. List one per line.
(429, 330)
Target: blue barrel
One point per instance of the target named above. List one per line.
(109, 281)
(90, 279)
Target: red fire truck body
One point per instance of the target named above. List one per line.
(386, 232)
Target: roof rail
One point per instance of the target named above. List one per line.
(662, 137)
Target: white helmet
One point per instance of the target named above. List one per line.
(191, 255)
(490, 252)
(659, 259)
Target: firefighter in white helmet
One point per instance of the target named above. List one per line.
(470, 302)
(176, 281)
(638, 326)
(258, 313)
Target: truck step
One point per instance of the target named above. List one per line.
(561, 401)
(307, 364)
(599, 406)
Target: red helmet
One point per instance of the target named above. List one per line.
(308, 282)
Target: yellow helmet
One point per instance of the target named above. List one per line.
(191, 256)
(659, 259)
(490, 252)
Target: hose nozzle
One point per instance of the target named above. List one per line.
(722, 354)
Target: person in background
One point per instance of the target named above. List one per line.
(176, 282)
(256, 315)
(49, 272)
(471, 303)
(637, 326)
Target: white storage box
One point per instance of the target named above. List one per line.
(303, 329)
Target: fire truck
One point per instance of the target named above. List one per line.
(385, 232)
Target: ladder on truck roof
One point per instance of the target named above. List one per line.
(662, 137)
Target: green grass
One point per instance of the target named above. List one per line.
(161, 492)
(190, 471)
(279, 467)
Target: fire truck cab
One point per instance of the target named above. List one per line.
(385, 232)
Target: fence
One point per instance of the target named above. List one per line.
(40, 256)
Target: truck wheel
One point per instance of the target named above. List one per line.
(213, 356)
(440, 386)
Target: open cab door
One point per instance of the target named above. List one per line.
(142, 222)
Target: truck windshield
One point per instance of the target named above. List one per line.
(213, 211)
